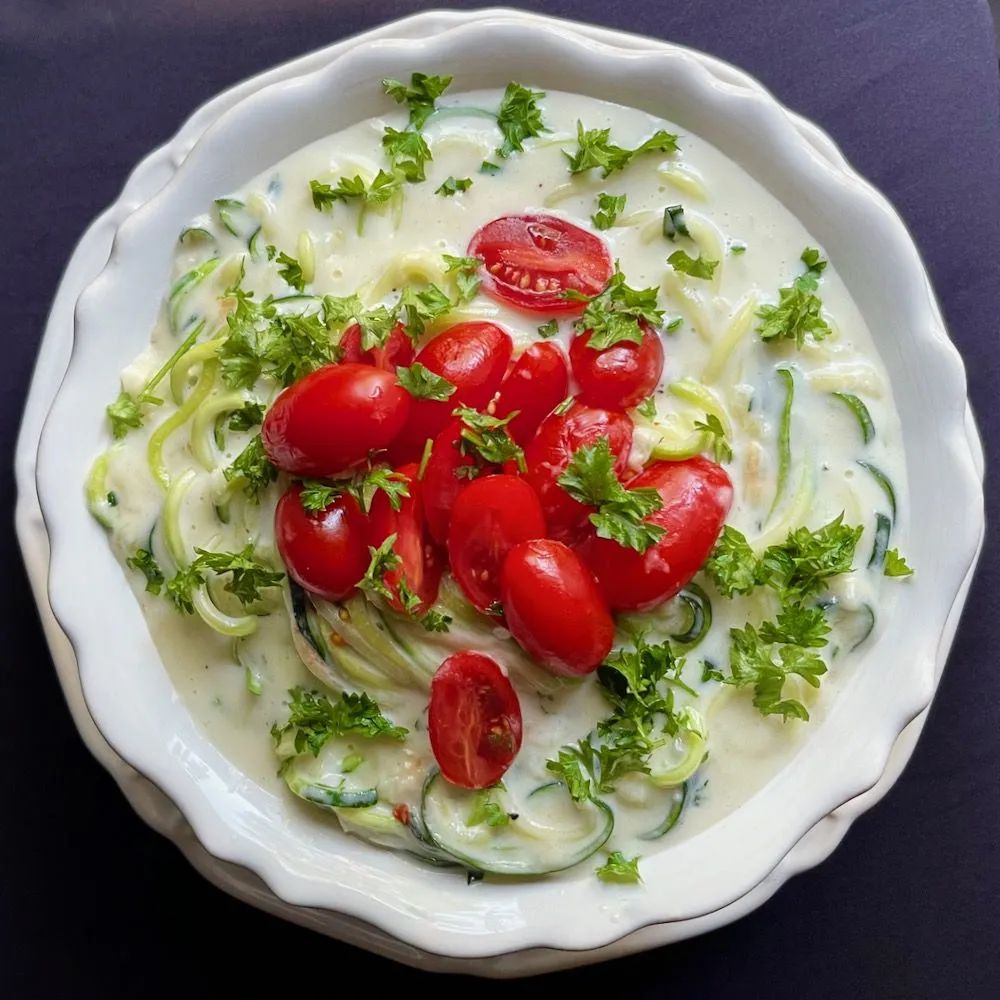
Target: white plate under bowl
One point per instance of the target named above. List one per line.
(530, 934)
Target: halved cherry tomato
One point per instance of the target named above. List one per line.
(536, 384)
(530, 260)
(324, 551)
(554, 608)
(397, 350)
(696, 495)
(421, 563)
(474, 720)
(550, 452)
(619, 376)
(491, 516)
(442, 481)
(328, 421)
(474, 358)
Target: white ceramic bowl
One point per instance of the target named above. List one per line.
(129, 695)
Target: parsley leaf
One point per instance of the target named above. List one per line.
(363, 486)
(314, 719)
(252, 469)
(382, 187)
(339, 310)
(383, 560)
(421, 383)
(798, 310)
(466, 271)
(695, 267)
(144, 562)
(712, 426)
(732, 564)
(417, 309)
(594, 148)
(797, 626)
(616, 313)
(572, 768)
(249, 415)
(647, 408)
(419, 96)
(124, 414)
(519, 118)
(590, 479)
(486, 809)
(487, 437)
(248, 575)
(453, 185)
(435, 621)
(180, 588)
(376, 325)
(620, 869)
(289, 269)
(317, 496)
(549, 329)
(408, 153)
(609, 207)
(895, 564)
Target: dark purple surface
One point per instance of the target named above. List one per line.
(93, 902)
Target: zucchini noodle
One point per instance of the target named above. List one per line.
(794, 514)
(701, 396)
(203, 425)
(177, 419)
(417, 267)
(784, 437)
(97, 491)
(691, 303)
(856, 377)
(585, 187)
(739, 326)
(183, 287)
(205, 351)
(307, 257)
(685, 179)
(482, 145)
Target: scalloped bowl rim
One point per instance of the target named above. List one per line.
(228, 814)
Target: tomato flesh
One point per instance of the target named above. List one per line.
(397, 350)
(330, 420)
(529, 261)
(491, 516)
(474, 358)
(554, 609)
(696, 494)
(619, 376)
(420, 564)
(536, 384)
(550, 452)
(474, 720)
(326, 551)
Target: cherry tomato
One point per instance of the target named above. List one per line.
(696, 495)
(397, 350)
(530, 260)
(554, 608)
(491, 516)
(536, 384)
(474, 358)
(442, 482)
(619, 376)
(421, 564)
(328, 421)
(550, 452)
(324, 551)
(474, 720)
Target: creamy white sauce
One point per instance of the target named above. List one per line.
(723, 206)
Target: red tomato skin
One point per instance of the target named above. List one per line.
(550, 452)
(328, 421)
(474, 358)
(421, 563)
(530, 260)
(441, 485)
(554, 608)
(326, 552)
(473, 720)
(398, 349)
(536, 384)
(619, 376)
(491, 516)
(697, 494)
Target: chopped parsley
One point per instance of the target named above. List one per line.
(252, 469)
(421, 383)
(453, 185)
(518, 118)
(486, 809)
(712, 426)
(362, 486)
(590, 479)
(289, 268)
(620, 869)
(248, 416)
(408, 153)
(549, 329)
(247, 574)
(466, 272)
(417, 309)
(382, 187)
(647, 408)
(317, 496)
(694, 267)
(385, 560)
(594, 148)
(895, 564)
(419, 96)
(616, 313)
(609, 207)
(376, 326)
(144, 563)
(486, 437)
(797, 313)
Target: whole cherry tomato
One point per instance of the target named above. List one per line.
(420, 563)
(619, 376)
(490, 517)
(474, 720)
(529, 261)
(554, 608)
(330, 420)
(536, 384)
(551, 451)
(474, 358)
(696, 495)
(325, 551)
(443, 481)
(397, 350)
